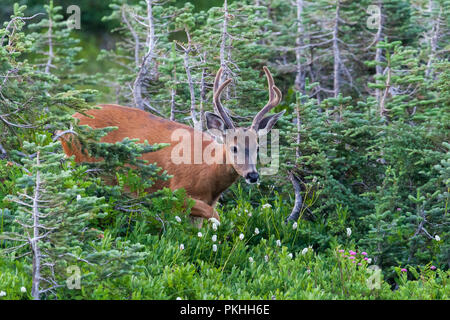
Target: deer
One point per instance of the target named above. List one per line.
(203, 182)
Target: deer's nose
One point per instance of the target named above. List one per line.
(252, 177)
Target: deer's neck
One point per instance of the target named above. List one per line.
(225, 176)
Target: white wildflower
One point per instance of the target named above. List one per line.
(199, 235)
(437, 238)
(178, 298)
(178, 218)
(369, 260)
(279, 243)
(2, 293)
(214, 221)
(214, 248)
(23, 289)
(266, 258)
(181, 246)
(241, 236)
(214, 238)
(214, 226)
(349, 232)
(295, 225)
(290, 255)
(267, 205)
(250, 259)
(304, 251)
(78, 197)
(256, 231)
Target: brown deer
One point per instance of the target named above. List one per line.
(203, 182)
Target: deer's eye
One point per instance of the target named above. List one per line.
(234, 149)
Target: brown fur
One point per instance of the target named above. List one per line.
(204, 183)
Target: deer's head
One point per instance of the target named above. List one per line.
(241, 143)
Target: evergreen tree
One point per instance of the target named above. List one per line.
(33, 97)
(53, 217)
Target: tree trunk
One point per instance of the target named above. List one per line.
(433, 38)
(336, 51)
(296, 211)
(299, 78)
(35, 291)
(379, 52)
(223, 47)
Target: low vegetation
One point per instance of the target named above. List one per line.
(364, 154)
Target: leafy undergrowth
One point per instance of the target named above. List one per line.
(251, 255)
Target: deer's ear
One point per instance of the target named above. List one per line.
(268, 122)
(215, 125)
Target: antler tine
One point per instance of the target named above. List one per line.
(216, 99)
(270, 82)
(274, 99)
(217, 79)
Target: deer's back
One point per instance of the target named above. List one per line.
(137, 124)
